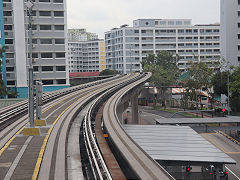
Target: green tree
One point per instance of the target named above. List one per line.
(107, 72)
(3, 89)
(219, 81)
(200, 78)
(235, 90)
(164, 70)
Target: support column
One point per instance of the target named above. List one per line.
(134, 104)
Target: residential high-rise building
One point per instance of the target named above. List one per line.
(86, 56)
(49, 44)
(2, 43)
(127, 46)
(81, 35)
(230, 31)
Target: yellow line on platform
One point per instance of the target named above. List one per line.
(9, 141)
(208, 133)
(42, 150)
(232, 152)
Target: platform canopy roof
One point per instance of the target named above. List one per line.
(176, 143)
(214, 120)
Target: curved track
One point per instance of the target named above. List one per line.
(60, 109)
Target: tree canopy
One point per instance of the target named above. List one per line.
(163, 67)
(107, 72)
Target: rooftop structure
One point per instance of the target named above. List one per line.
(81, 35)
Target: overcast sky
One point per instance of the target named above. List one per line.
(99, 16)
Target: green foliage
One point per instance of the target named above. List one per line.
(219, 81)
(235, 90)
(200, 76)
(163, 67)
(107, 72)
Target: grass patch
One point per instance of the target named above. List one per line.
(166, 110)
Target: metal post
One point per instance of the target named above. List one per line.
(39, 100)
(228, 95)
(30, 68)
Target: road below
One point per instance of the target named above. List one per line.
(228, 147)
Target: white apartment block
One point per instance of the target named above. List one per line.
(86, 56)
(127, 46)
(81, 35)
(230, 31)
(49, 44)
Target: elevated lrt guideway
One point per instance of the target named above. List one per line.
(48, 155)
(44, 156)
(178, 147)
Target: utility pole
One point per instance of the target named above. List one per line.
(29, 5)
(228, 81)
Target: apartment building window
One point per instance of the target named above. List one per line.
(46, 55)
(34, 55)
(181, 31)
(34, 41)
(61, 81)
(8, 41)
(7, 13)
(143, 31)
(58, 13)
(59, 27)
(188, 31)
(171, 22)
(44, 0)
(45, 27)
(238, 59)
(45, 41)
(7, 27)
(9, 55)
(208, 30)
(7, 0)
(238, 25)
(136, 31)
(60, 68)
(44, 13)
(179, 22)
(9, 69)
(34, 27)
(47, 68)
(59, 41)
(195, 30)
(60, 55)
(47, 82)
(238, 2)
(10, 82)
(238, 36)
(35, 68)
(238, 47)
(58, 1)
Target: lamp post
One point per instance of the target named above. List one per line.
(228, 81)
(29, 5)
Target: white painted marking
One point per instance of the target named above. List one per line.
(232, 172)
(17, 159)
